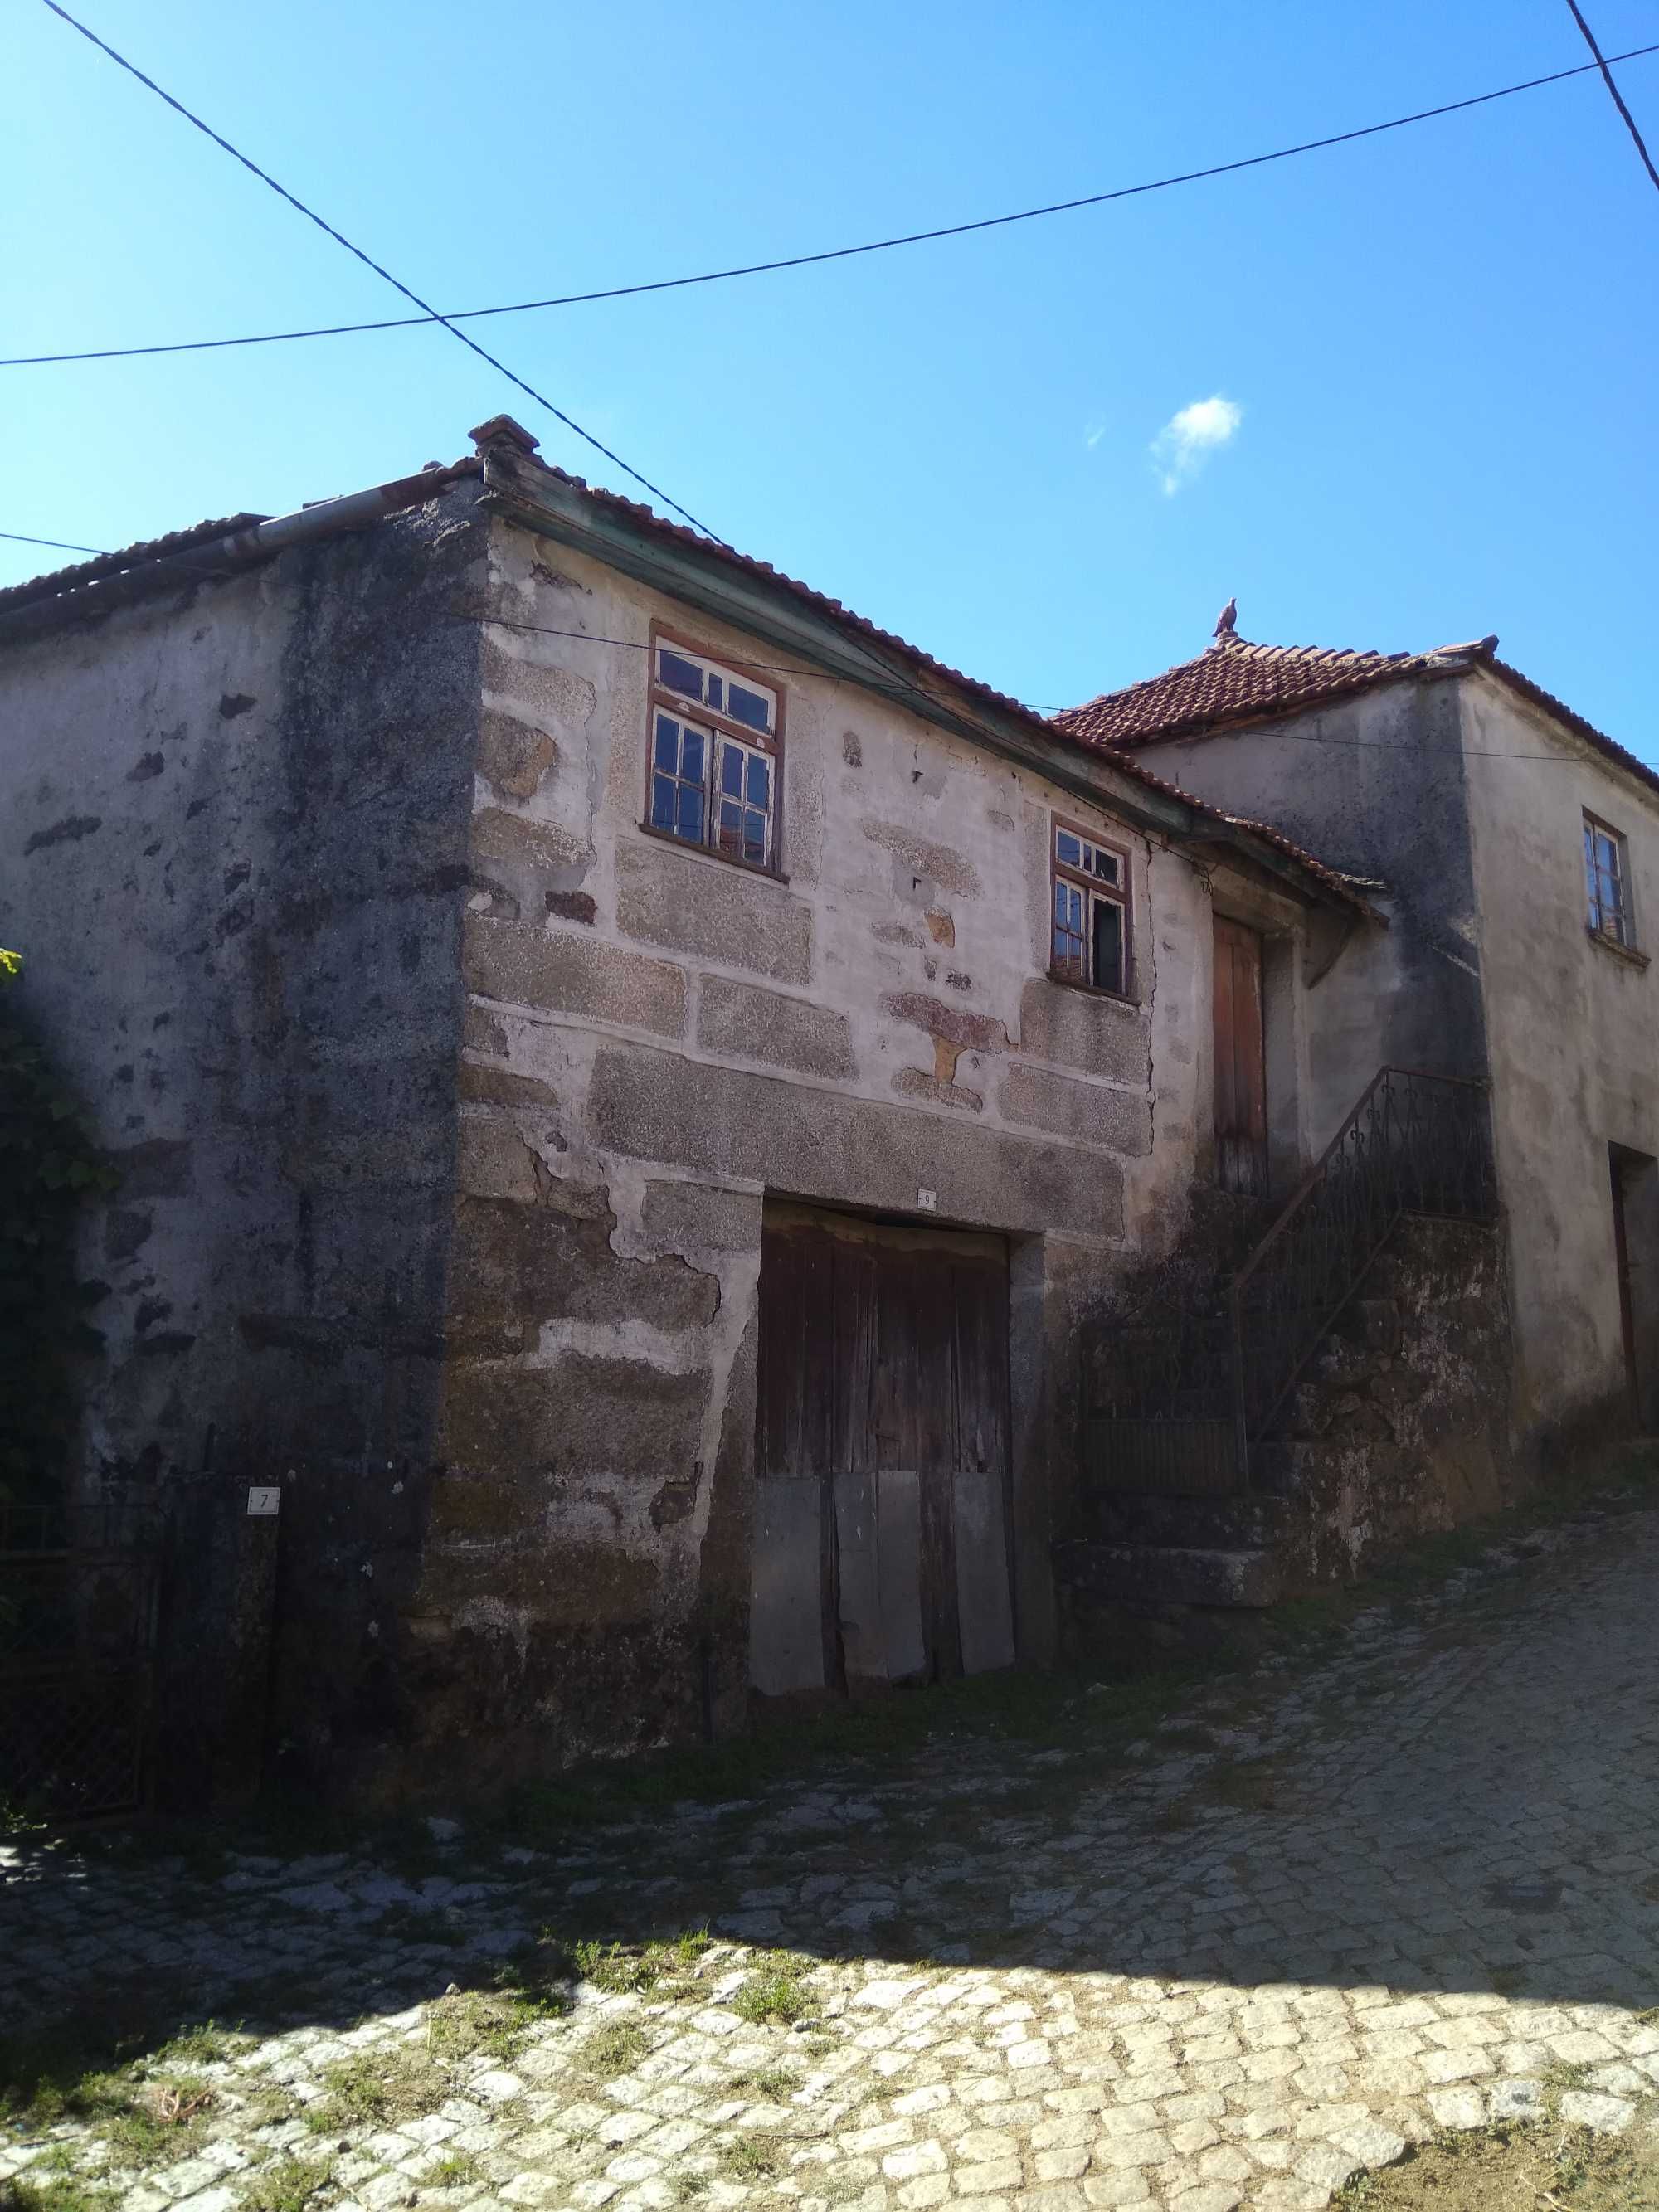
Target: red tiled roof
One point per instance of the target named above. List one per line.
(81, 573)
(1233, 681)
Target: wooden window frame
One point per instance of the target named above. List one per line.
(1621, 937)
(659, 697)
(1119, 895)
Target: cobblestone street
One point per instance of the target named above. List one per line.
(1319, 1913)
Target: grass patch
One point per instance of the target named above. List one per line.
(615, 2049)
(769, 2082)
(59, 2192)
(669, 1964)
(377, 2089)
(752, 2158)
(775, 1993)
(286, 2185)
(457, 2170)
(206, 2044)
(1493, 2168)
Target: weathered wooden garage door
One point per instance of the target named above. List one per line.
(881, 1549)
(1241, 1075)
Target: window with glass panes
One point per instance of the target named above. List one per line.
(714, 768)
(1607, 886)
(1090, 911)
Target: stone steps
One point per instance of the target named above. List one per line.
(1165, 1574)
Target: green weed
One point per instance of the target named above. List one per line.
(775, 1993)
(286, 2185)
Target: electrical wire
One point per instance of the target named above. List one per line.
(1618, 96)
(796, 260)
(429, 311)
(1123, 752)
(60, 545)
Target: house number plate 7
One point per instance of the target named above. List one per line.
(264, 1501)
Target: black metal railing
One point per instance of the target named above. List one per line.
(77, 1591)
(1175, 1403)
(1414, 1144)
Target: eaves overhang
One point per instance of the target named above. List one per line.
(743, 595)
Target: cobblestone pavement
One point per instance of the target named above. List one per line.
(1410, 1887)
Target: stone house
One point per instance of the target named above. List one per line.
(626, 1080)
(1515, 848)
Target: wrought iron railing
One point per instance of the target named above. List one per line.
(1414, 1144)
(1189, 1394)
(77, 1590)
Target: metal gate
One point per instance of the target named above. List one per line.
(77, 1652)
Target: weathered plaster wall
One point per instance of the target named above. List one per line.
(656, 1038)
(1574, 1030)
(1373, 784)
(236, 825)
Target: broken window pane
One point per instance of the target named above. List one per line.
(1108, 946)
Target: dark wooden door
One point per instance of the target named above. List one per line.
(881, 1523)
(1241, 1063)
(1626, 1302)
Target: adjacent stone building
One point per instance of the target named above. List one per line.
(1515, 848)
(625, 1077)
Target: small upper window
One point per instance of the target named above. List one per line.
(712, 777)
(1090, 911)
(1607, 882)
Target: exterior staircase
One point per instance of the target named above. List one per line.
(1217, 1406)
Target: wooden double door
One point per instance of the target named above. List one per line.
(881, 1534)
(1241, 1060)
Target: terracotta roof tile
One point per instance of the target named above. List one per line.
(1233, 681)
(80, 572)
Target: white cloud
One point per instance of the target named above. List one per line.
(1093, 434)
(1187, 440)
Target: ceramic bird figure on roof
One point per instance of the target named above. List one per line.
(1225, 621)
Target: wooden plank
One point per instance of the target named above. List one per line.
(853, 1438)
(858, 1580)
(932, 1302)
(779, 1393)
(898, 1559)
(786, 1633)
(985, 1607)
(818, 1354)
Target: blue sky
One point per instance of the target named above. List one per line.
(1439, 345)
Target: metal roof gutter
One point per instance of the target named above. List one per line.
(85, 601)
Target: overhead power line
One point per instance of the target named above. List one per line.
(788, 261)
(1618, 96)
(429, 314)
(59, 544)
